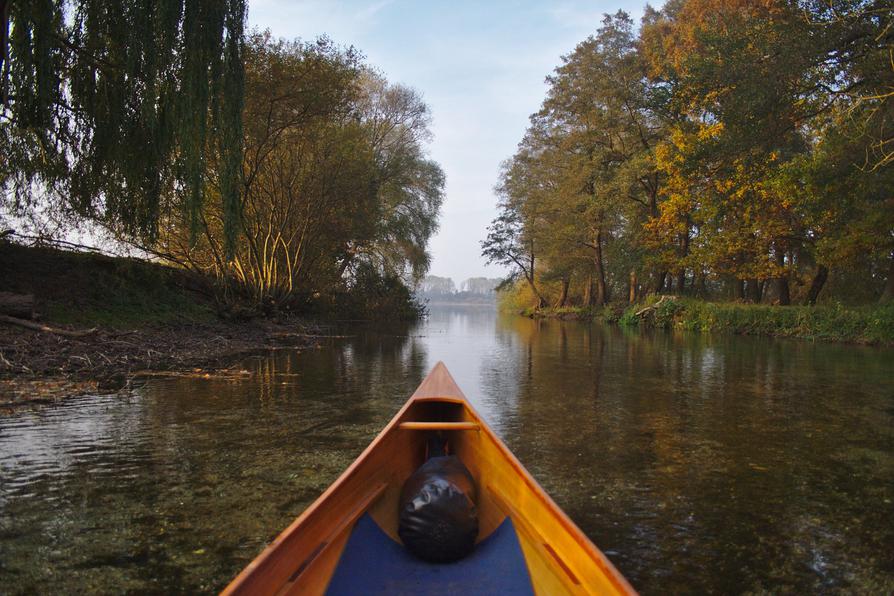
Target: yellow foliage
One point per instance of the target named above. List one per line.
(710, 131)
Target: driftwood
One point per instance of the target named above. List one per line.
(194, 374)
(17, 305)
(45, 328)
(312, 336)
(644, 311)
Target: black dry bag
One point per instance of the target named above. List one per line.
(438, 518)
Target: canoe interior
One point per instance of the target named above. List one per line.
(375, 565)
(559, 558)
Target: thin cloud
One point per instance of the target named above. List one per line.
(369, 13)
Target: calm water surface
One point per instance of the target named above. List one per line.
(697, 463)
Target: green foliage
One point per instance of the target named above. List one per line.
(628, 318)
(868, 324)
(113, 108)
(376, 296)
(336, 179)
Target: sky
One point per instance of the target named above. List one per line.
(479, 65)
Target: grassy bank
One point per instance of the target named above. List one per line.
(108, 321)
(831, 322)
(88, 289)
(607, 314)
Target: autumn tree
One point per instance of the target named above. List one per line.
(584, 175)
(728, 143)
(509, 244)
(606, 113)
(335, 178)
(408, 185)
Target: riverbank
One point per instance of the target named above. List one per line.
(872, 325)
(37, 367)
(105, 321)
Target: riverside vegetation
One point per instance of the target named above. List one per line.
(275, 179)
(867, 324)
(287, 172)
(725, 151)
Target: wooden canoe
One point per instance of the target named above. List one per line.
(332, 547)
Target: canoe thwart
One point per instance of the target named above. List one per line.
(439, 426)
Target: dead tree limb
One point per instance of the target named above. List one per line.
(45, 328)
(644, 311)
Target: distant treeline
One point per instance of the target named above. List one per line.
(291, 172)
(724, 149)
(443, 289)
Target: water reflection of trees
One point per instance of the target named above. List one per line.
(659, 444)
(256, 451)
(352, 369)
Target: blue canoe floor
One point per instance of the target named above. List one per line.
(373, 563)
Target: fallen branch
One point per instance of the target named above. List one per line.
(196, 374)
(45, 328)
(313, 336)
(649, 309)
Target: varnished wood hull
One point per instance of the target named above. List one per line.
(559, 557)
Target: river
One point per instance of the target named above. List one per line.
(697, 463)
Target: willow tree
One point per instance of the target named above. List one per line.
(114, 107)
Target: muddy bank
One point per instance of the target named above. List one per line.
(37, 366)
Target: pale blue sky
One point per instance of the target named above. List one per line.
(480, 67)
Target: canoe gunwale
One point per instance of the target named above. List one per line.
(339, 527)
(566, 522)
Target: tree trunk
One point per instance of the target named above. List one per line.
(739, 289)
(17, 305)
(45, 328)
(659, 287)
(563, 299)
(701, 287)
(631, 295)
(601, 292)
(819, 280)
(754, 291)
(681, 281)
(541, 302)
(589, 299)
(888, 292)
(684, 252)
(782, 290)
